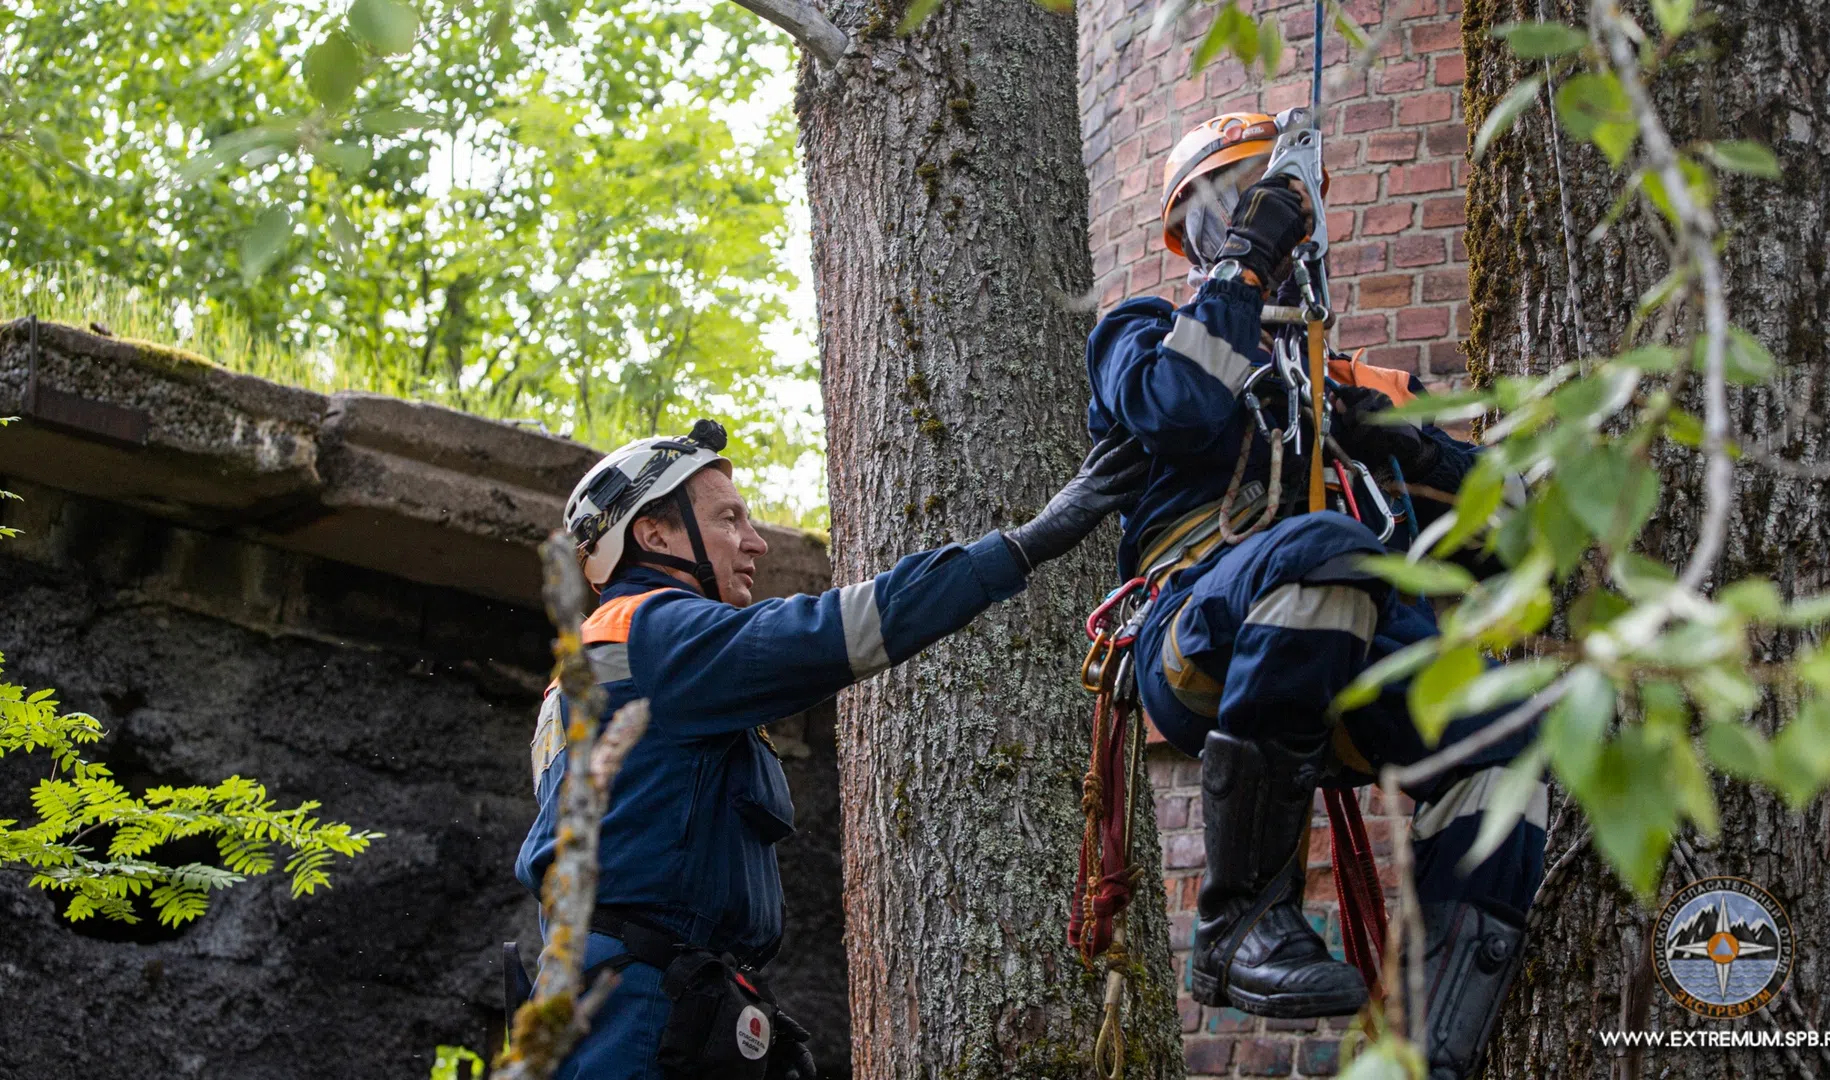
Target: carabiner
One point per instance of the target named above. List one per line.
(1378, 500)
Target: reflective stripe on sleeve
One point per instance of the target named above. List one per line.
(1317, 607)
(1191, 338)
(864, 647)
(609, 661)
(1471, 796)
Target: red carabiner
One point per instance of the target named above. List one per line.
(1096, 621)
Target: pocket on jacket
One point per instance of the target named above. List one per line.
(759, 791)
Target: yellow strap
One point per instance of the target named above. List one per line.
(1318, 370)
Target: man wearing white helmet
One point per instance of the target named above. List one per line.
(689, 899)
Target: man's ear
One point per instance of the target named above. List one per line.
(650, 534)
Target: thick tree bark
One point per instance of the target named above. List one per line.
(1530, 206)
(949, 230)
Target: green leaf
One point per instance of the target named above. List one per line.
(1270, 45)
(333, 68)
(1434, 690)
(1739, 751)
(1690, 784)
(917, 14)
(1609, 492)
(249, 27)
(501, 24)
(1808, 610)
(352, 159)
(1801, 754)
(1389, 669)
(1684, 428)
(1725, 693)
(1745, 361)
(1755, 597)
(1503, 685)
(1595, 107)
(1633, 809)
(394, 121)
(387, 26)
(1513, 793)
(1540, 40)
(1503, 115)
(1673, 15)
(264, 242)
(1650, 358)
(1740, 156)
(1576, 729)
(1561, 532)
(1234, 31)
(1480, 495)
(342, 232)
(1425, 577)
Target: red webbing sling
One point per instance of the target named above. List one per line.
(1356, 883)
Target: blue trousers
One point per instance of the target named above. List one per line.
(626, 1033)
(1257, 639)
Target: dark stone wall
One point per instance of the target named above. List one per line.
(404, 708)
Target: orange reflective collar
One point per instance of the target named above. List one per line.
(1391, 382)
(610, 623)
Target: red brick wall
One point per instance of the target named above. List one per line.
(1395, 151)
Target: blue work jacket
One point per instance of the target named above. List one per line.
(689, 835)
(1172, 377)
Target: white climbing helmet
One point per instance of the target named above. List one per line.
(628, 479)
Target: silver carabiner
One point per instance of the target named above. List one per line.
(1378, 500)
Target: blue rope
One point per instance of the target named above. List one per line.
(1404, 496)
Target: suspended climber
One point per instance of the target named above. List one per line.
(1263, 615)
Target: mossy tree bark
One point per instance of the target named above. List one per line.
(1543, 295)
(949, 231)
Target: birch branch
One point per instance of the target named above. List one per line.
(1696, 238)
(804, 22)
(559, 1014)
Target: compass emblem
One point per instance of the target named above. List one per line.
(1722, 947)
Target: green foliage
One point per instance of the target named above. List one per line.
(79, 798)
(1653, 686)
(568, 214)
(457, 1063)
(1237, 34)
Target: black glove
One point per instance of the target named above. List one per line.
(789, 1058)
(1111, 478)
(1362, 435)
(1267, 225)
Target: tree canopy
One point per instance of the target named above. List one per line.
(571, 212)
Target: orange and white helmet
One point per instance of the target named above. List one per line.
(1210, 146)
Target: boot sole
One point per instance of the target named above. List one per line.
(1297, 1006)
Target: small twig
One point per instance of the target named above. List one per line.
(804, 22)
(1553, 880)
(1404, 937)
(1498, 731)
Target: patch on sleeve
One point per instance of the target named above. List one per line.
(549, 738)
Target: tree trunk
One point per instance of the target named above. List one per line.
(949, 231)
(1760, 75)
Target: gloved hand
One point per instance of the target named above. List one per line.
(1267, 225)
(1111, 478)
(789, 1058)
(1362, 435)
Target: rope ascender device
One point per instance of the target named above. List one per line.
(1298, 375)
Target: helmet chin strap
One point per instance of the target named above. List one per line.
(701, 570)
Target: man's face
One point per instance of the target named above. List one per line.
(731, 542)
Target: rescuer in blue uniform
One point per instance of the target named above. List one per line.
(1248, 643)
(687, 851)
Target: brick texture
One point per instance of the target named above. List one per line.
(1396, 154)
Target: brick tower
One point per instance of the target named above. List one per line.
(1396, 152)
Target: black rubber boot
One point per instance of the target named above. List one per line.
(1471, 953)
(1253, 947)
